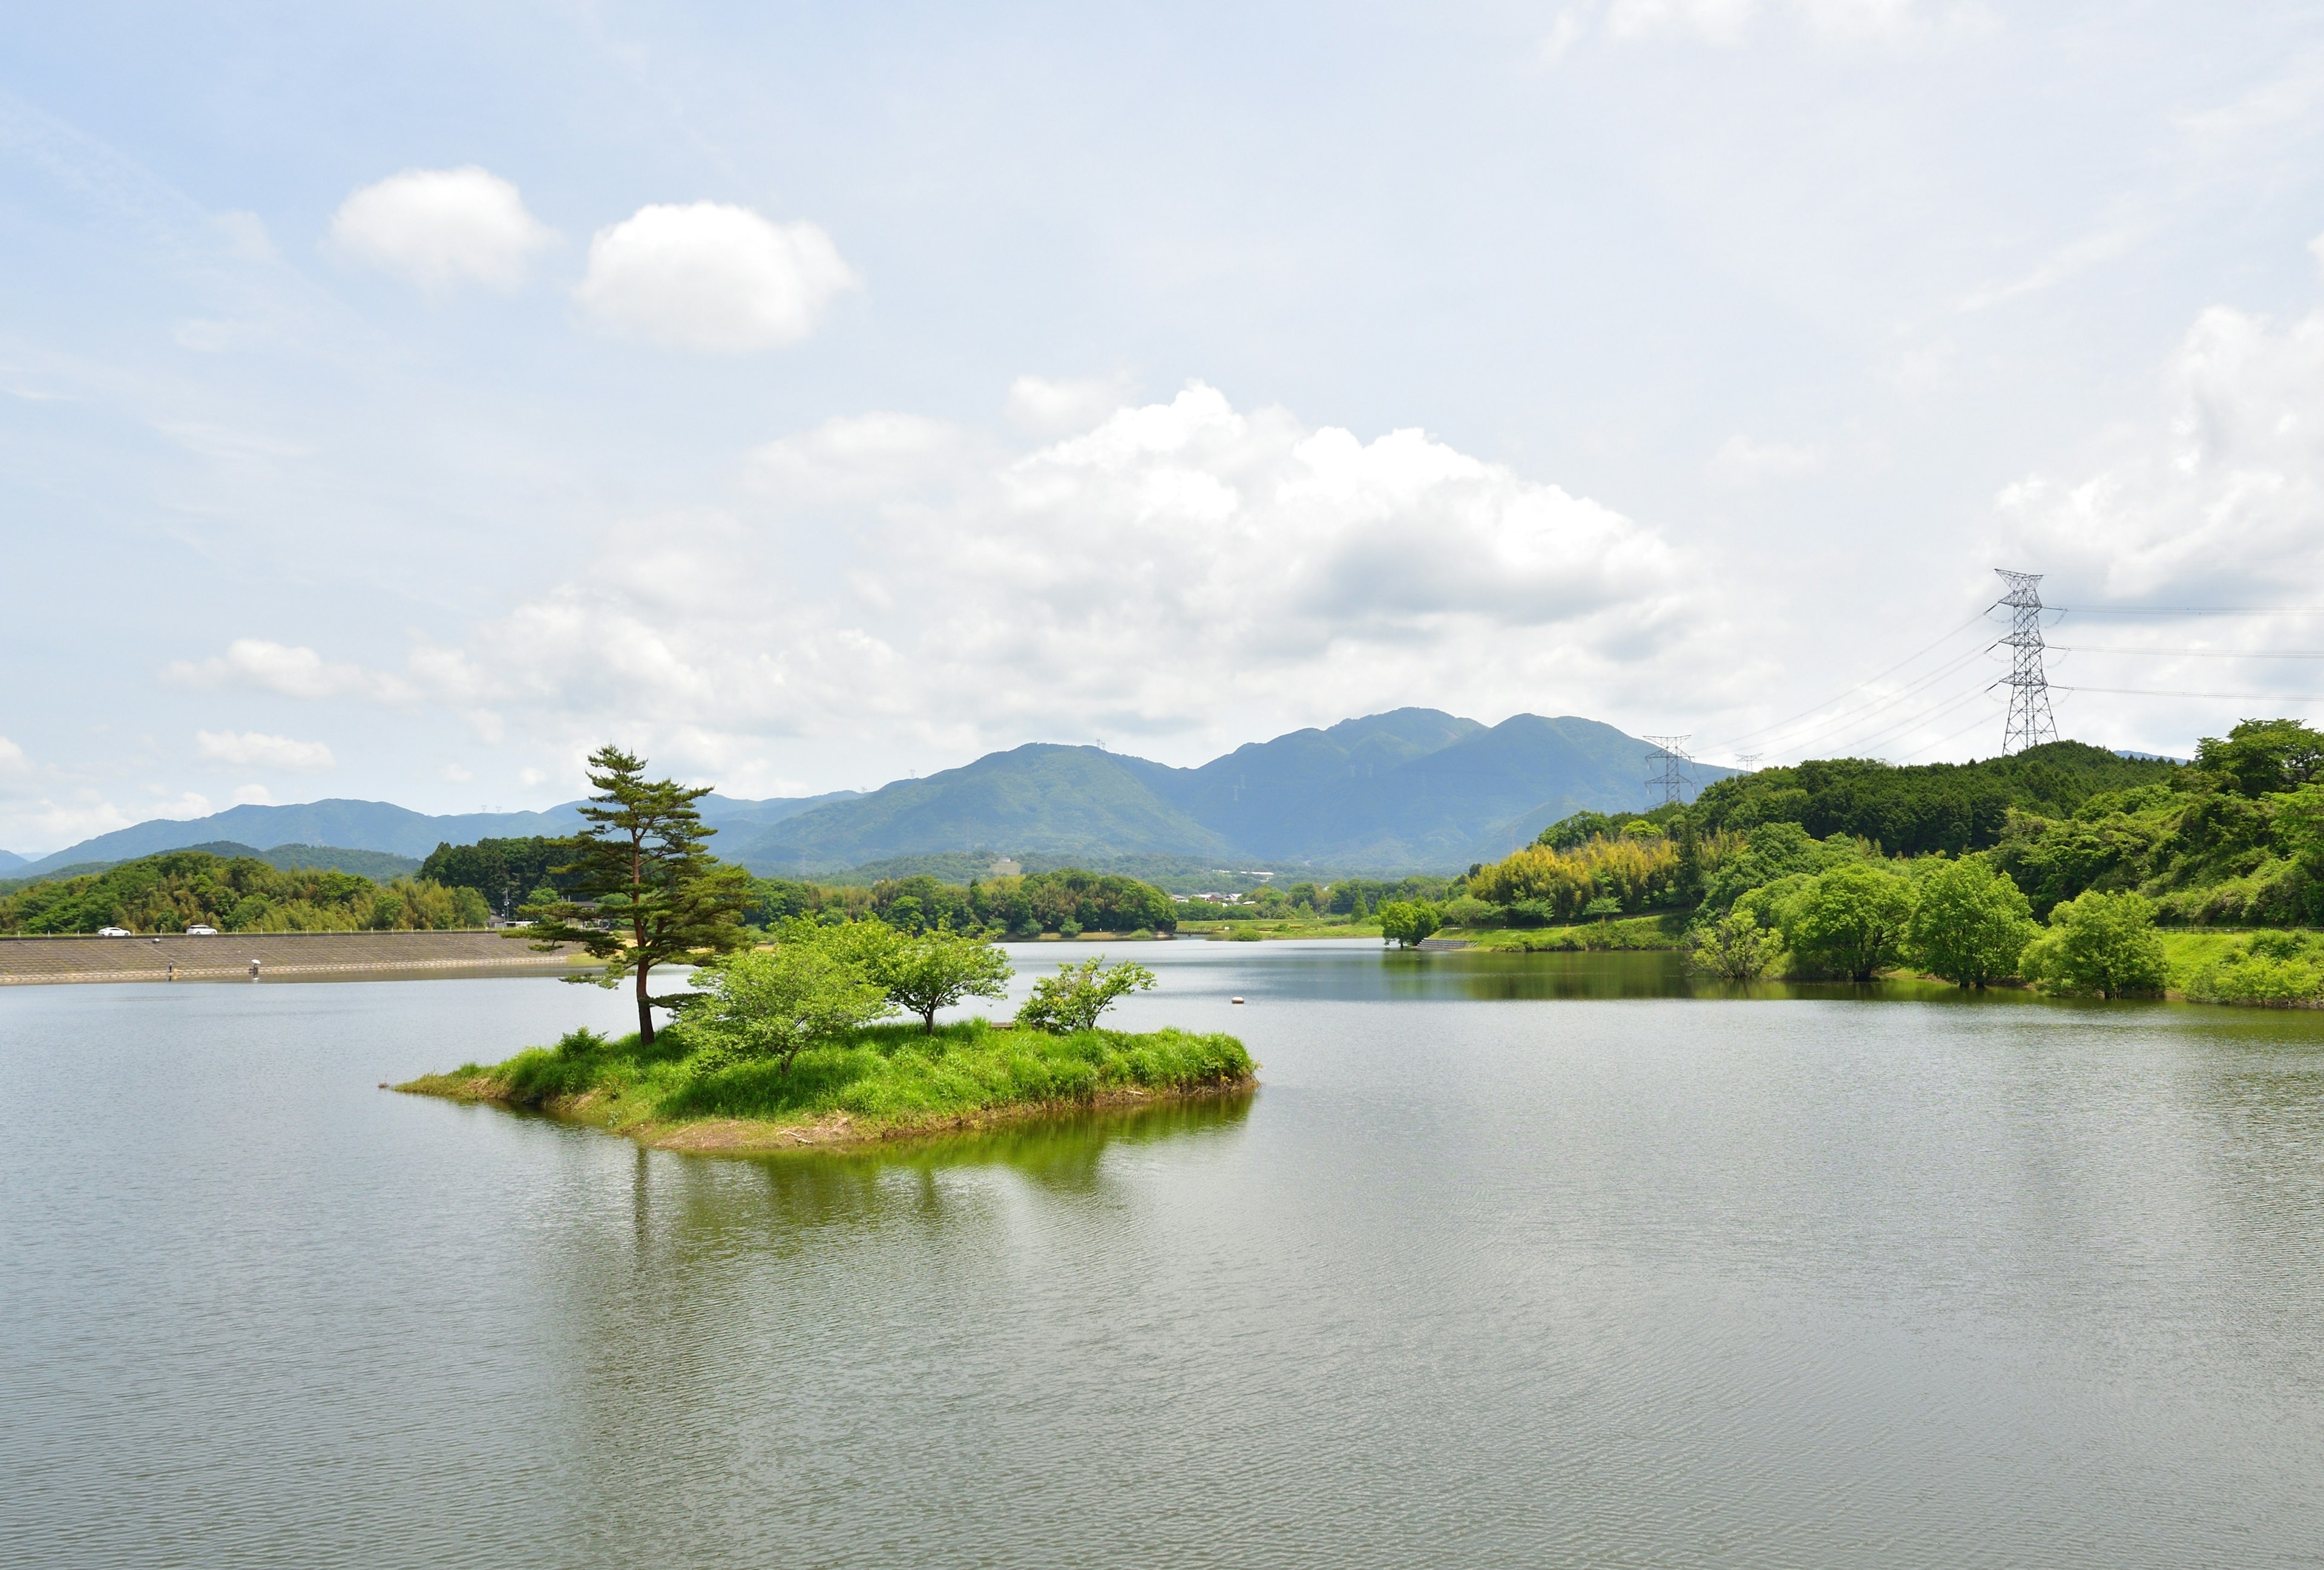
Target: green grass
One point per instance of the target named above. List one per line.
(891, 1079)
(1629, 932)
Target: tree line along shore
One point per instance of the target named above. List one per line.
(1818, 870)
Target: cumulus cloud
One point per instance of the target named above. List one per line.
(12, 757)
(2215, 500)
(293, 671)
(1180, 567)
(441, 227)
(712, 278)
(254, 749)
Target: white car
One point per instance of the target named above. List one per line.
(113, 932)
(200, 931)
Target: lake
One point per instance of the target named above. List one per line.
(1511, 1260)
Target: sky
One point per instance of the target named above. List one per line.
(398, 402)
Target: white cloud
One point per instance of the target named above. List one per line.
(254, 749)
(255, 795)
(293, 671)
(1741, 461)
(2215, 501)
(710, 277)
(12, 758)
(440, 227)
(1175, 567)
(452, 773)
(529, 777)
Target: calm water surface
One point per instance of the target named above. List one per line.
(1513, 1260)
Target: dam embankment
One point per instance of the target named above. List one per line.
(174, 956)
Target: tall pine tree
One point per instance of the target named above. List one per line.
(641, 890)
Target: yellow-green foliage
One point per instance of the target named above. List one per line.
(2265, 967)
(1637, 873)
(894, 1074)
(180, 888)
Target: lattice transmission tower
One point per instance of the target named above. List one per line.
(1669, 760)
(2030, 723)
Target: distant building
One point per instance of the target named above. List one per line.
(1003, 867)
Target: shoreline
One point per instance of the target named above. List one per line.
(833, 1130)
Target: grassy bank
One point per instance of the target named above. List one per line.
(1262, 928)
(889, 1081)
(1629, 932)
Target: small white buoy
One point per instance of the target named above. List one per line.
(1234, 1000)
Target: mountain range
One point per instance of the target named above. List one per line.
(1414, 789)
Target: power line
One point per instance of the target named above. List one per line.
(2176, 610)
(1853, 692)
(2181, 653)
(1790, 737)
(2251, 696)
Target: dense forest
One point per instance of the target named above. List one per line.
(180, 888)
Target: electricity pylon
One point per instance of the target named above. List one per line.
(1669, 760)
(2030, 721)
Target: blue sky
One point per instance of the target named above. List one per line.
(394, 401)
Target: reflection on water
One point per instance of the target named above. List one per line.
(1513, 1261)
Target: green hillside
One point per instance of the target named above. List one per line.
(1413, 789)
(1058, 801)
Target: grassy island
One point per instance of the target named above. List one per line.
(884, 1081)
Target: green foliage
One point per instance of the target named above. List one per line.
(928, 971)
(773, 1003)
(1912, 810)
(1468, 911)
(1577, 830)
(505, 873)
(908, 1076)
(2098, 943)
(1078, 994)
(1851, 920)
(1736, 948)
(180, 888)
(2264, 757)
(2267, 968)
(1970, 924)
(1408, 923)
(1770, 852)
(641, 889)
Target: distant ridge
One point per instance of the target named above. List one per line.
(10, 860)
(1412, 790)
(376, 826)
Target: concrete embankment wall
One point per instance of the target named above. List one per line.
(24, 960)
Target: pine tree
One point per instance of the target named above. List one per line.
(641, 889)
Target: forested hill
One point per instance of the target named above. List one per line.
(1412, 788)
(1913, 810)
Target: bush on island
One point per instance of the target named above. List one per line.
(1072, 999)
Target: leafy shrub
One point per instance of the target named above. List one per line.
(1072, 1000)
(1737, 948)
(2098, 943)
(1970, 925)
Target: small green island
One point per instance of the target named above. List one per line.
(784, 1039)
